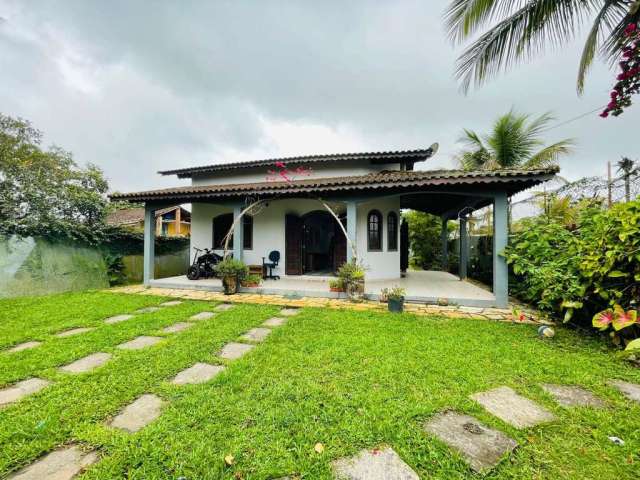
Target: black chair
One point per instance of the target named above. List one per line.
(267, 267)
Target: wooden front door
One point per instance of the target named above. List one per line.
(340, 246)
(293, 245)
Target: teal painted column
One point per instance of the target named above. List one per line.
(444, 238)
(500, 241)
(149, 244)
(352, 222)
(238, 233)
(464, 248)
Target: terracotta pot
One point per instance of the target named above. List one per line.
(230, 284)
(337, 290)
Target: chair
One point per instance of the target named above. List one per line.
(274, 259)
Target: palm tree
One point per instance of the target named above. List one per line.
(526, 27)
(514, 141)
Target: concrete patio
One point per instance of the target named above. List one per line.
(421, 287)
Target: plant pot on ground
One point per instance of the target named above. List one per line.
(395, 299)
(351, 274)
(231, 272)
(336, 285)
(251, 281)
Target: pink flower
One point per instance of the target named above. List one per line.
(614, 94)
(630, 29)
(604, 114)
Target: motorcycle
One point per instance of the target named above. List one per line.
(203, 265)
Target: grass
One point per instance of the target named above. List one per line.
(349, 380)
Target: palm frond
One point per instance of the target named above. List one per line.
(465, 17)
(549, 156)
(520, 36)
(617, 38)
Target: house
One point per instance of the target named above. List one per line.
(170, 222)
(367, 191)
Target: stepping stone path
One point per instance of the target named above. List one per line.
(24, 346)
(118, 319)
(288, 312)
(141, 412)
(73, 331)
(630, 390)
(481, 447)
(63, 464)
(177, 327)
(274, 322)
(383, 464)
(139, 343)
(147, 310)
(202, 316)
(87, 363)
(21, 389)
(512, 408)
(572, 396)
(199, 373)
(223, 307)
(256, 334)
(171, 303)
(233, 351)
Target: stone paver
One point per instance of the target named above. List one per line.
(198, 373)
(118, 319)
(233, 351)
(288, 312)
(512, 408)
(147, 310)
(87, 363)
(177, 327)
(144, 410)
(202, 316)
(139, 342)
(171, 303)
(223, 307)
(63, 464)
(21, 389)
(572, 396)
(630, 390)
(256, 334)
(274, 322)
(24, 346)
(383, 464)
(481, 447)
(74, 331)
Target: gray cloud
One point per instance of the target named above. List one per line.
(137, 87)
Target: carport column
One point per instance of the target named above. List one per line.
(444, 237)
(500, 241)
(464, 248)
(238, 232)
(149, 243)
(352, 223)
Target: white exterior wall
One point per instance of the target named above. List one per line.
(318, 170)
(269, 232)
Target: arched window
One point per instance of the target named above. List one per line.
(392, 231)
(374, 230)
(222, 224)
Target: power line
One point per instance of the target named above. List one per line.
(599, 109)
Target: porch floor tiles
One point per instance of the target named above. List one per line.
(21, 389)
(481, 447)
(512, 408)
(144, 410)
(384, 464)
(63, 464)
(198, 373)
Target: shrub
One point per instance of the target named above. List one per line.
(230, 267)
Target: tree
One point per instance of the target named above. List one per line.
(626, 165)
(526, 27)
(514, 141)
(425, 242)
(44, 192)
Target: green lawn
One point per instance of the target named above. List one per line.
(349, 380)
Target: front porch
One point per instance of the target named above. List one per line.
(430, 287)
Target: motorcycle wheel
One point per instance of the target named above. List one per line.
(193, 273)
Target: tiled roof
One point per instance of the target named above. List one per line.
(130, 216)
(389, 157)
(512, 181)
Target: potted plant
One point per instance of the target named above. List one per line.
(251, 281)
(336, 285)
(384, 295)
(395, 299)
(352, 276)
(232, 272)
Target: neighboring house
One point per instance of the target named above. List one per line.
(169, 222)
(367, 190)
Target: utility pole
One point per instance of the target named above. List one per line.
(609, 186)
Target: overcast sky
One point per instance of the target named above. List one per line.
(136, 86)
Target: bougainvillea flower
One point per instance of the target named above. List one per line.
(603, 319)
